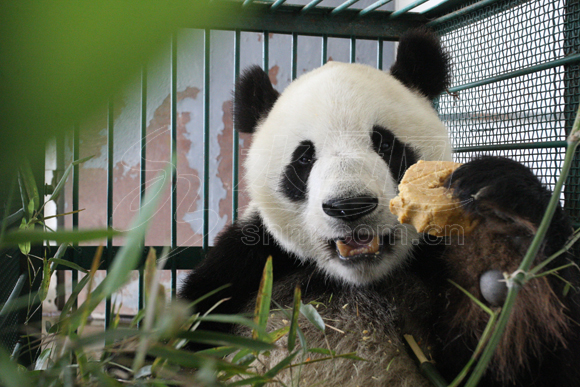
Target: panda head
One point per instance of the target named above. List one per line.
(327, 155)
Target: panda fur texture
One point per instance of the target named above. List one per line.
(325, 160)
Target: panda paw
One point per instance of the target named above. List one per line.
(496, 186)
(508, 194)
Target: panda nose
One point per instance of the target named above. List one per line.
(350, 209)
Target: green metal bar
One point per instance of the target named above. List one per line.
(174, 159)
(276, 4)
(310, 5)
(316, 22)
(407, 8)
(380, 54)
(75, 203)
(293, 69)
(529, 70)
(461, 12)
(527, 145)
(236, 139)
(343, 6)
(324, 56)
(247, 2)
(266, 52)
(352, 50)
(110, 170)
(143, 175)
(206, 139)
(373, 6)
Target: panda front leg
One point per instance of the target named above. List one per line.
(540, 346)
(236, 262)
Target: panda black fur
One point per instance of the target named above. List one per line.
(325, 160)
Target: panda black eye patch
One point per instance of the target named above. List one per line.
(396, 154)
(295, 176)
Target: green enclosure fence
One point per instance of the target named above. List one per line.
(514, 93)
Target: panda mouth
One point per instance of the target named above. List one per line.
(358, 246)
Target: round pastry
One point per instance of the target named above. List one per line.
(426, 203)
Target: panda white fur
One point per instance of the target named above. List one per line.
(325, 160)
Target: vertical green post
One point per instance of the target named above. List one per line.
(266, 52)
(110, 169)
(143, 175)
(174, 159)
(206, 140)
(353, 50)
(236, 139)
(293, 70)
(324, 56)
(380, 54)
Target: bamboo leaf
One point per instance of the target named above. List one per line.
(301, 337)
(233, 319)
(224, 339)
(106, 336)
(322, 351)
(280, 366)
(64, 177)
(149, 272)
(23, 246)
(264, 298)
(68, 264)
(64, 214)
(207, 295)
(70, 302)
(15, 217)
(193, 360)
(42, 359)
(254, 381)
(30, 187)
(143, 372)
(294, 321)
(312, 315)
(219, 352)
(350, 356)
(242, 356)
(279, 333)
(137, 319)
(473, 298)
(46, 275)
(31, 207)
(60, 251)
(11, 376)
(75, 236)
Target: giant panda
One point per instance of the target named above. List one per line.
(326, 158)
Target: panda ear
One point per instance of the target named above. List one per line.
(422, 63)
(253, 98)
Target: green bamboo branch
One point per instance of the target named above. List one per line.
(517, 280)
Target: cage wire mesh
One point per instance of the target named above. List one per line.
(9, 323)
(514, 97)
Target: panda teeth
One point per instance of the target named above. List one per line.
(347, 250)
